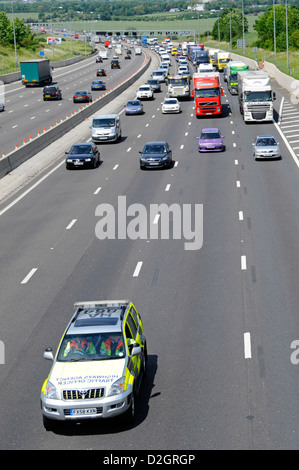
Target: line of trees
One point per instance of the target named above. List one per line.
(24, 37)
(230, 26)
(265, 28)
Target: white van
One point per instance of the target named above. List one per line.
(106, 128)
(159, 75)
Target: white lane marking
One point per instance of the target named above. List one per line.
(238, 184)
(71, 224)
(247, 345)
(181, 147)
(241, 216)
(129, 149)
(137, 269)
(29, 275)
(236, 162)
(115, 167)
(156, 219)
(167, 187)
(31, 188)
(243, 263)
(176, 163)
(97, 191)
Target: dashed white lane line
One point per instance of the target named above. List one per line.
(97, 191)
(247, 345)
(241, 215)
(167, 187)
(129, 149)
(115, 167)
(243, 263)
(29, 275)
(156, 219)
(70, 225)
(137, 269)
(238, 184)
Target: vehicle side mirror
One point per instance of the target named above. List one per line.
(135, 349)
(274, 96)
(48, 354)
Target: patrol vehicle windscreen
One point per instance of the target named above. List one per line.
(92, 347)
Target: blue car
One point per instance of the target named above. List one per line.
(134, 107)
(98, 85)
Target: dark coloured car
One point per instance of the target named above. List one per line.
(82, 96)
(154, 84)
(98, 85)
(115, 64)
(265, 146)
(127, 56)
(101, 73)
(99, 59)
(134, 107)
(82, 154)
(156, 155)
(210, 140)
(52, 93)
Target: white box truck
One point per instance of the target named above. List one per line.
(255, 96)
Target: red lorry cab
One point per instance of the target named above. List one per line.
(207, 93)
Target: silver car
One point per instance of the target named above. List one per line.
(265, 146)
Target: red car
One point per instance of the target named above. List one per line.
(101, 73)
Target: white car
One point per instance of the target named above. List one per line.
(164, 67)
(171, 105)
(182, 61)
(183, 70)
(145, 92)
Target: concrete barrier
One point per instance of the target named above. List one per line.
(26, 151)
(284, 80)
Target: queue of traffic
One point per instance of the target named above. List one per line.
(110, 387)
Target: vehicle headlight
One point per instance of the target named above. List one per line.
(51, 391)
(88, 159)
(117, 387)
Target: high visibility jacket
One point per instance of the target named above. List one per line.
(112, 348)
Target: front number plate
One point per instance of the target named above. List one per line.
(83, 411)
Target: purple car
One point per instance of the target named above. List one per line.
(210, 140)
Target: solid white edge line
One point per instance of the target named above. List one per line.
(31, 188)
(287, 144)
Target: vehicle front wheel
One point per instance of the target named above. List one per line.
(129, 415)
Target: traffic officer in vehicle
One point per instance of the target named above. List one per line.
(112, 346)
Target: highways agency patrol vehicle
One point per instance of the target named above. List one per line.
(98, 366)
